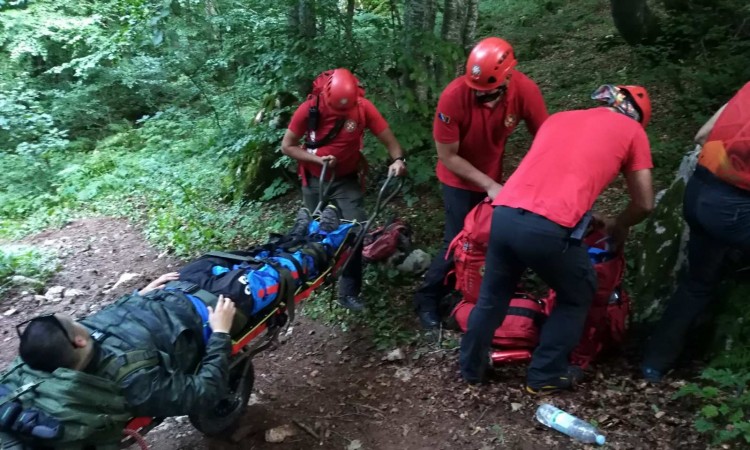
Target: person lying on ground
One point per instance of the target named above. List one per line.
(185, 343)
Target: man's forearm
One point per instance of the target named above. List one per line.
(300, 154)
(468, 172)
(164, 391)
(632, 215)
(395, 151)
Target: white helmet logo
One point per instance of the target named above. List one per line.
(344, 101)
(476, 71)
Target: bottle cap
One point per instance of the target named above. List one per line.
(600, 439)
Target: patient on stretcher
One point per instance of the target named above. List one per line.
(166, 347)
(256, 278)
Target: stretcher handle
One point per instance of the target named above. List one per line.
(323, 187)
(379, 204)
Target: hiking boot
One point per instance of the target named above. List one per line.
(429, 319)
(550, 387)
(330, 219)
(565, 383)
(301, 223)
(352, 303)
(652, 375)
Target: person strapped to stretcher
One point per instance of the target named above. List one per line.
(158, 352)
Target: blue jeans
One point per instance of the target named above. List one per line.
(719, 218)
(520, 240)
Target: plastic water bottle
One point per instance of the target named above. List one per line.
(568, 424)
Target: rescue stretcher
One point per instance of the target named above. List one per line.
(262, 331)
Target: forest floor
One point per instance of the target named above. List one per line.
(344, 391)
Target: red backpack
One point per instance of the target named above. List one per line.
(384, 241)
(469, 248)
(606, 321)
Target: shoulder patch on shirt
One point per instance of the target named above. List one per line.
(444, 118)
(350, 126)
(510, 120)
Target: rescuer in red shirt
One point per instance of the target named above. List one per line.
(539, 219)
(475, 115)
(343, 114)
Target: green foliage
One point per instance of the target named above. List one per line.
(388, 314)
(724, 398)
(25, 261)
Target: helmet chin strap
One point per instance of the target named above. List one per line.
(487, 98)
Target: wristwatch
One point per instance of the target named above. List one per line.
(400, 158)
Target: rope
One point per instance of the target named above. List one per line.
(137, 438)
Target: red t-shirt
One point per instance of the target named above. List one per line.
(575, 155)
(482, 131)
(347, 145)
(726, 152)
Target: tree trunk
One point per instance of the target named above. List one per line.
(635, 21)
(349, 20)
(470, 24)
(454, 14)
(307, 18)
(419, 25)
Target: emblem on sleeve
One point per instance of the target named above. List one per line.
(444, 118)
(350, 125)
(510, 121)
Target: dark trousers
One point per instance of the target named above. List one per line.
(346, 194)
(719, 218)
(457, 203)
(521, 240)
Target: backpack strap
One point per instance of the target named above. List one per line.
(232, 256)
(286, 287)
(329, 137)
(121, 366)
(297, 266)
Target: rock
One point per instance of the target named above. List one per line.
(417, 262)
(10, 312)
(279, 434)
(515, 406)
(72, 293)
(20, 280)
(40, 298)
(354, 445)
(125, 278)
(395, 355)
(404, 374)
(54, 294)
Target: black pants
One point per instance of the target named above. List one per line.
(457, 203)
(719, 218)
(346, 194)
(520, 240)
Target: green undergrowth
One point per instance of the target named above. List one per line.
(25, 267)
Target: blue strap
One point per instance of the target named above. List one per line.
(202, 310)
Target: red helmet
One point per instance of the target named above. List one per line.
(489, 64)
(639, 95)
(341, 91)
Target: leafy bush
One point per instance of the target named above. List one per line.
(724, 398)
(25, 261)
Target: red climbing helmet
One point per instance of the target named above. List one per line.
(489, 64)
(639, 96)
(341, 90)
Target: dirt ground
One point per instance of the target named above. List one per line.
(346, 393)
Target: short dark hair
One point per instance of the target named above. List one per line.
(44, 346)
